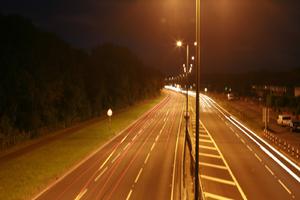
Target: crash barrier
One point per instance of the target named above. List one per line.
(283, 145)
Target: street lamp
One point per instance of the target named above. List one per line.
(197, 44)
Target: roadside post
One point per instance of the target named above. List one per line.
(109, 114)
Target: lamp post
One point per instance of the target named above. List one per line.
(197, 98)
(187, 69)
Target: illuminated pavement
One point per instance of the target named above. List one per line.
(236, 164)
(143, 162)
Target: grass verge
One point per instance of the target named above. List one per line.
(26, 175)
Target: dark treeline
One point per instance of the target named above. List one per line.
(242, 82)
(46, 84)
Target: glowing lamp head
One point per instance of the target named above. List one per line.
(109, 112)
(179, 43)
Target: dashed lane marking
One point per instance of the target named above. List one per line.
(285, 187)
(258, 157)
(153, 145)
(146, 160)
(215, 196)
(138, 176)
(124, 139)
(219, 180)
(129, 194)
(126, 146)
(115, 158)
(213, 165)
(97, 178)
(249, 148)
(269, 170)
(107, 159)
(80, 195)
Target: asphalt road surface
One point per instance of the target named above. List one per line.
(234, 164)
(142, 162)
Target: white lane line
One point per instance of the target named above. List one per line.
(96, 179)
(107, 159)
(134, 137)
(285, 187)
(129, 194)
(229, 170)
(231, 129)
(215, 196)
(210, 155)
(219, 180)
(207, 147)
(165, 119)
(237, 135)
(249, 148)
(243, 141)
(213, 165)
(258, 157)
(153, 145)
(202, 131)
(127, 145)
(140, 131)
(115, 158)
(138, 176)
(288, 170)
(80, 195)
(162, 128)
(156, 138)
(269, 170)
(146, 160)
(205, 136)
(203, 140)
(175, 156)
(124, 139)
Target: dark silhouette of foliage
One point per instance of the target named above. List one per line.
(47, 84)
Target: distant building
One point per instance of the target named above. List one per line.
(297, 91)
(263, 90)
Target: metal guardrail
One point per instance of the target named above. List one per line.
(283, 145)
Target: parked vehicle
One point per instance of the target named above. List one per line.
(284, 120)
(295, 125)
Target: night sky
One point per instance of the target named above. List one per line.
(237, 35)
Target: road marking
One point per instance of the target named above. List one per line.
(269, 170)
(229, 170)
(134, 138)
(212, 165)
(126, 146)
(140, 131)
(231, 129)
(156, 138)
(203, 140)
(107, 159)
(80, 195)
(138, 176)
(202, 131)
(219, 180)
(115, 158)
(153, 145)
(207, 147)
(237, 135)
(249, 148)
(202, 135)
(146, 160)
(258, 157)
(286, 188)
(175, 155)
(96, 179)
(129, 194)
(209, 155)
(214, 196)
(165, 119)
(243, 140)
(124, 139)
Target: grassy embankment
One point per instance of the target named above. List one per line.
(26, 175)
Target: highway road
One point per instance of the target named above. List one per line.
(142, 162)
(235, 164)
